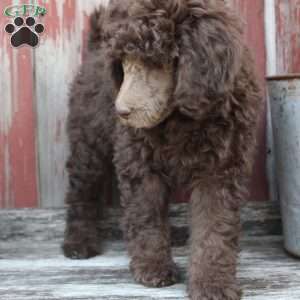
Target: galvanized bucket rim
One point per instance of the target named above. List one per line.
(284, 77)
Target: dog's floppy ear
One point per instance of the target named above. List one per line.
(210, 52)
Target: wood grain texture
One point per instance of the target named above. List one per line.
(252, 15)
(288, 36)
(18, 168)
(259, 219)
(265, 272)
(57, 60)
(33, 268)
(42, 77)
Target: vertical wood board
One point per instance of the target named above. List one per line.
(252, 14)
(57, 60)
(288, 36)
(18, 169)
(34, 88)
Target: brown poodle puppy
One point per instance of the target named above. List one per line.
(168, 94)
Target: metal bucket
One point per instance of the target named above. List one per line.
(284, 93)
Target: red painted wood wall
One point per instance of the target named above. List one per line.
(252, 14)
(34, 87)
(288, 36)
(18, 168)
(33, 93)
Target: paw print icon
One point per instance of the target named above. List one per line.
(24, 32)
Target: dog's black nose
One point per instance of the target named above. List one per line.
(124, 112)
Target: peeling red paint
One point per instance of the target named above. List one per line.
(2, 175)
(3, 136)
(22, 135)
(61, 19)
(6, 191)
(288, 36)
(56, 23)
(51, 20)
(17, 143)
(252, 14)
(18, 179)
(69, 15)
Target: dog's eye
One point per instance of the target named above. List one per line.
(118, 73)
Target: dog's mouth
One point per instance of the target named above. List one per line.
(143, 120)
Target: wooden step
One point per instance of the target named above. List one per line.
(258, 219)
(33, 268)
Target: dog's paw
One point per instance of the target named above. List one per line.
(81, 250)
(214, 292)
(155, 273)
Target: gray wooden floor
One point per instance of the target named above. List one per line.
(33, 268)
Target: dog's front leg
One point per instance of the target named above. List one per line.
(146, 229)
(215, 227)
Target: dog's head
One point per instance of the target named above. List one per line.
(172, 55)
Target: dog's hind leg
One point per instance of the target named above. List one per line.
(89, 167)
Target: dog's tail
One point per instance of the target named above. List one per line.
(96, 28)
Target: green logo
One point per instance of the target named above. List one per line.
(24, 10)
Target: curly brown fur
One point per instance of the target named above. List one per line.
(206, 143)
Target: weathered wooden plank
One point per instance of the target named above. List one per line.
(57, 60)
(265, 272)
(47, 225)
(62, 48)
(252, 14)
(32, 266)
(18, 169)
(288, 36)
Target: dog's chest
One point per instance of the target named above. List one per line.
(177, 153)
